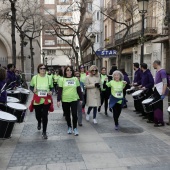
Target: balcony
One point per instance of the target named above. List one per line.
(88, 18)
(109, 42)
(134, 32)
(111, 9)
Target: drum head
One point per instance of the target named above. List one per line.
(169, 109)
(16, 106)
(146, 101)
(12, 99)
(7, 117)
(22, 90)
(12, 91)
(136, 93)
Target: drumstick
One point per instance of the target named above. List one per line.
(2, 89)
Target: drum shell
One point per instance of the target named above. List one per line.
(20, 114)
(130, 91)
(16, 95)
(23, 97)
(139, 97)
(6, 128)
(147, 107)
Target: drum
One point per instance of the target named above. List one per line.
(131, 90)
(168, 109)
(24, 93)
(12, 99)
(7, 122)
(137, 95)
(147, 105)
(13, 93)
(18, 110)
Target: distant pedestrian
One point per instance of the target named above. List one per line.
(68, 92)
(93, 87)
(116, 98)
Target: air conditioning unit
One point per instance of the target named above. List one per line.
(147, 49)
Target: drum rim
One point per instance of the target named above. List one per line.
(16, 104)
(147, 99)
(14, 92)
(10, 115)
(16, 100)
(136, 92)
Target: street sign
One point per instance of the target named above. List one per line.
(106, 53)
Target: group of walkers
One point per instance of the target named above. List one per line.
(77, 89)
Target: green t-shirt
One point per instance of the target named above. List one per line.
(116, 89)
(69, 85)
(50, 77)
(41, 83)
(102, 81)
(82, 77)
(55, 78)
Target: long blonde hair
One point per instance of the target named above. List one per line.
(92, 68)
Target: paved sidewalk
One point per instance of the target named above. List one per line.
(136, 146)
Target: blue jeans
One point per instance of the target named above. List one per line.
(94, 111)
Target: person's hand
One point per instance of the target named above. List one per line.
(58, 104)
(106, 79)
(162, 97)
(143, 88)
(50, 93)
(124, 82)
(97, 85)
(35, 90)
(135, 84)
(81, 101)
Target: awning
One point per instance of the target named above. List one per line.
(61, 60)
(160, 39)
(127, 50)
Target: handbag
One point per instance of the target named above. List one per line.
(31, 106)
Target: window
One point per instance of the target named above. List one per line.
(49, 11)
(89, 7)
(49, 42)
(51, 52)
(60, 41)
(64, 1)
(65, 19)
(64, 8)
(98, 15)
(49, 32)
(97, 38)
(49, 2)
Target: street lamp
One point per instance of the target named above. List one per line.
(77, 56)
(143, 6)
(46, 61)
(92, 39)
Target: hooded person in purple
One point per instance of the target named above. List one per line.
(160, 77)
(3, 94)
(137, 82)
(147, 83)
(11, 78)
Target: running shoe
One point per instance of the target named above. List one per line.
(69, 131)
(39, 126)
(94, 121)
(44, 135)
(76, 133)
(116, 127)
(87, 117)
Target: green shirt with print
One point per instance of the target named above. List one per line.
(69, 92)
(82, 77)
(41, 83)
(116, 89)
(103, 77)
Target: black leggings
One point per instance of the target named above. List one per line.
(104, 99)
(117, 108)
(41, 113)
(66, 109)
(94, 111)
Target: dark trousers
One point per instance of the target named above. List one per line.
(55, 87)
(66, 109)
(104, 99)
(84, 102)
(94, 111)
(41, 114)
(117, 108)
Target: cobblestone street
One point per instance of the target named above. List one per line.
(136, 146)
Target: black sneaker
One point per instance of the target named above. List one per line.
(80, 124)
(39, 126)
(44, 135)
(106, 113)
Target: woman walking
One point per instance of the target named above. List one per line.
(104, 91)
(68, 92)
(41, 85)
(116, 98)
(3, 93)
(92, 84)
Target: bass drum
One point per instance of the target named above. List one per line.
(7, 122)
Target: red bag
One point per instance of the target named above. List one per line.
(51, 109)
(31, 107)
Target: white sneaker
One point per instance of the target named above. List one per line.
(94, 121)
(87, 117)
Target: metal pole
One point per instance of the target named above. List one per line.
(142, 38)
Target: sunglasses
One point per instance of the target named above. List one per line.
(42, 68)
(77, 76)
(68, 70)
(94, 70)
